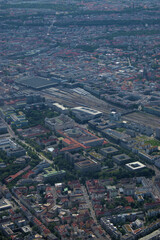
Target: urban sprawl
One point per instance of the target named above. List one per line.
(80, 119)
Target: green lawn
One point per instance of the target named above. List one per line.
(153, 142)
(149, 140)
(120, 129)
(96, 155)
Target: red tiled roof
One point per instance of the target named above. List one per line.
(36, 221)
(27, 174)
(129, 199)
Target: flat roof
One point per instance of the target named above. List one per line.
(87, 110)
(50, 149)
(36, 82)
(60, 106)
(26, 229)
(152, 235)
(115, 134)
(52, 172)
(4, 203)
(86, 163)
(135, 165)
(109, 149)
(121, 157)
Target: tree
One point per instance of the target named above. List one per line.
(51, 227)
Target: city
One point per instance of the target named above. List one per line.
(80, 119)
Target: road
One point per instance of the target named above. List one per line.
(54, 194)
(89, 204)
(154, 168)
(41, 156)
(12, 134)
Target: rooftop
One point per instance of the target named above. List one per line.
(135, 165)
(86, 163)
(87, 110)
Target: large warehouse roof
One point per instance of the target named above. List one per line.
(86, 110)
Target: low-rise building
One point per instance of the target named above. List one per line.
(11, 148)
(114, 135)
(121, 158)
(88, 166)
(109, 151)
(96, 156)
(74, 157)
(3, 127)
(18, 120)
(52, 174)
(110, 228)
(135, 166)
(16, 152)
(112, 191)
(59, 108)
(61, 122)
(5, 204)
(152, 236)
(84, 114)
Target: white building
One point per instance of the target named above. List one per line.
(59, 108)
(134, 166)
(85, 114)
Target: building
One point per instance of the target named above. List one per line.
(11, 148)
(110, 228)
(41, 166)
(18, 120)
(3, 127)
(37, 83)
(114, 116)
(52, 174)
(135, 166)
(33, 98)
(112, 191)
(4, 204)
(115, 136)
(5, 143)
(26, 229)
(59, 108)
(7, 231)
(94, 142)
(19, 173)
(16, 152)
(33, 131)
(121, 158)
(96, 156)
(77, 138)
(2, 165)
(73, 157)
(158, 133)
(152, 236)
(129, 189)
(84, 114)
(157, 163)
(61, 122)
(5, 113)
(87, 166)
(109, 151)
